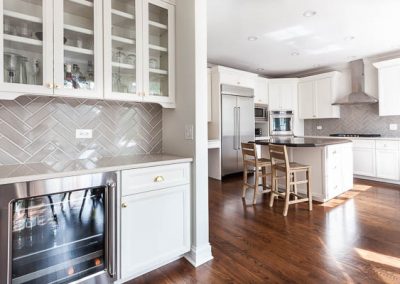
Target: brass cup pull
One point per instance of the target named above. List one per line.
(124, 205)
(158, 179)
(57, 86)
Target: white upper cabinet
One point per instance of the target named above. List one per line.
(282, 94)
(26, 40)
(235, 77)
(116, 49)
(389, 86)
(316, 95)
(261, 91)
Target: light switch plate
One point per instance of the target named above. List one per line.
(83, 134)
(393, 126)
(189, 131)
(319, 127)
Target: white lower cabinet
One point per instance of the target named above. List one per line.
(155, 225)
(387, 164)
(364, 161)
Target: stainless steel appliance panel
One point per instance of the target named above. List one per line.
(237, 125)
(52, 195)
(281, 123)
(229, 141)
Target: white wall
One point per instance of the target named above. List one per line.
(191, 109)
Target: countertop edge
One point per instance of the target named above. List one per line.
(33, 177)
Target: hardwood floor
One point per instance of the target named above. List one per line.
(354, 238)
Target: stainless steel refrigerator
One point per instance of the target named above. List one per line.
(237, 125)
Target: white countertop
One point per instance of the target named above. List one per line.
(38, 171)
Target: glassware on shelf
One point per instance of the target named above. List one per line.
(131, 59)
(23, 70)
(153, 63)
(33, 72)
(11, 61)
(68, 82)
(118, 55)
(90, 76)
(132, 87)
(8, 27)
(77, 77)
(118, 85)
(24, 30)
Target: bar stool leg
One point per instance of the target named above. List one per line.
(309, 193)
(295, 185)
(287, 196)
(273, 187)
(244, 181)
(256, 178)
(264, 178)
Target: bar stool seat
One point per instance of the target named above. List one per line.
(280, 163)
(251, 160)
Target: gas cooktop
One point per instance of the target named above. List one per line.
(354, 135)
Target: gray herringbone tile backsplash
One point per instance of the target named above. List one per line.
(362, 119)
(42, 129)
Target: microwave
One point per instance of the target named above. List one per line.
(260, 112)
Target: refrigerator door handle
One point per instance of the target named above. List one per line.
(234, 127)
(238, 129)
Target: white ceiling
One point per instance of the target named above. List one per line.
(281, 29)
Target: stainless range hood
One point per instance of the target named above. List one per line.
(358, 95)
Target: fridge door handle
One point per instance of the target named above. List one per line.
(238, 128)
(234, 128)
(110, 229)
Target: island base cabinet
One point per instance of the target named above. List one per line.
(155, 229)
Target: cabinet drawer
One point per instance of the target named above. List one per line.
(387, 144)
(152, 178)
(369, 144)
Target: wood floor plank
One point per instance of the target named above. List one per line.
(354, 238)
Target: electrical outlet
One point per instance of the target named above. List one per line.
(319, 127)
(393, 126)
(83, 133)
(189, 132)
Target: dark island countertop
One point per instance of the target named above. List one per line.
(302, 141)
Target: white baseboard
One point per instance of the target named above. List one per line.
(377, 179)
(199, 255)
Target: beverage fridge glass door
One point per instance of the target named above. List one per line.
(59, 230)
(229, 135)
(59, 237)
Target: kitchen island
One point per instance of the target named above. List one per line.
(331, 161)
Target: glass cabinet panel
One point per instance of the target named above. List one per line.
(25, 38)
(58, 238)
(123, 44)
(158, 49)
(79, 45)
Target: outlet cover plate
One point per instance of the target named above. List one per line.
(393, 126)
(189, 132)
(83, 134)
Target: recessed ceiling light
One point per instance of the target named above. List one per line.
(260, 69)
(349, 38)
(309, 13)
(252, 38)
(316, 65)
(295, 53)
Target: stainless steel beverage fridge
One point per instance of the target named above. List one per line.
(58, 230)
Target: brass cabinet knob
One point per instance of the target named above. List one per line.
(159, 179)
(57, 86)
(50, 85)
(124, 205)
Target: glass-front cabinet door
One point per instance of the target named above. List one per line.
(26, 41)
(78, 48)
(123, 49)
(159, 55)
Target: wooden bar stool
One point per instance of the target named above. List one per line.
(250, 159)
(280, 163)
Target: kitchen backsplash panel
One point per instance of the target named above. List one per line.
(362, 119)
(42, 129)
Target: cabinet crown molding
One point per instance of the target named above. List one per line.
(387, 63)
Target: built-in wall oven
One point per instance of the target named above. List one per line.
(59, 230)
(281, 123)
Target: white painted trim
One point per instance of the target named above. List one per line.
(199, 256)
(377, 179)
(387, 63)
